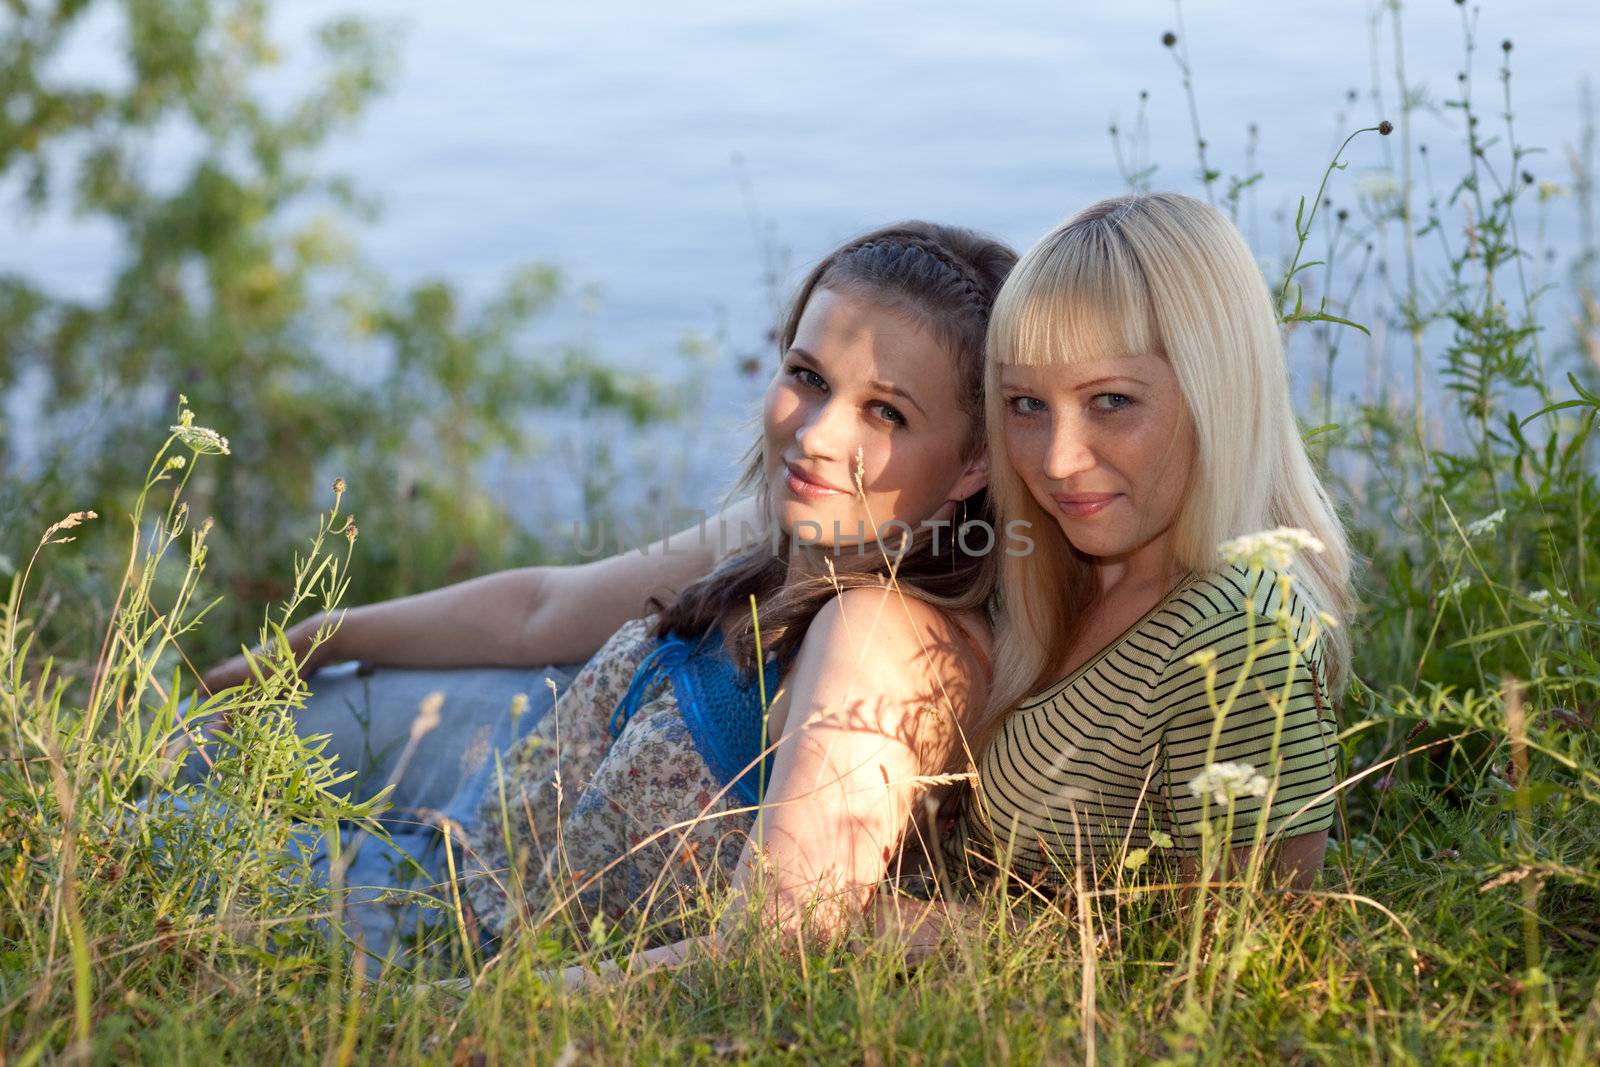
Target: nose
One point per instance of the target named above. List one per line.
(825, 432)
(1068, 452)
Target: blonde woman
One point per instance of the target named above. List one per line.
(1139, 417)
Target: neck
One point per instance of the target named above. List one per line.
(805, 562)
(1151, 565)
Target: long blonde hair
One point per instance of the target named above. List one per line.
(1162, 274)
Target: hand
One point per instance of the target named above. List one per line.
(235, 670)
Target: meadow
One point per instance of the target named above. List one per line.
(149, 918)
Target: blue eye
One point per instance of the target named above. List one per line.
(1027, 405)
(1111, 401)
(889, 413)
(807, 376)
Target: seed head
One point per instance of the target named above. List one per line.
(1169, 39)
(338, 487)
(1342, 215)
(1527, 178)
(1385, 128)
(1505, 46)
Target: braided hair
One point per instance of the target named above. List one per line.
(946, 277)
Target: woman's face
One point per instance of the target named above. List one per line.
(863, 380)
(1105, 446)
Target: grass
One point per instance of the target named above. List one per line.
(1457, 919)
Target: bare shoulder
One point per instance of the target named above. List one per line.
(902, 638)
(887, 618)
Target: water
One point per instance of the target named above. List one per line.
(663, 155)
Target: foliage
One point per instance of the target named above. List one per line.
(237, 283)
(1458, 918)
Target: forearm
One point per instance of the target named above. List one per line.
(531, 616)
(478, 622)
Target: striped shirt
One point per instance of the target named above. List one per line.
(1106, 756)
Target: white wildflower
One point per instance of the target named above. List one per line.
(1378, 185)
(1226, 781)
(1547, 606)
(1455, 588)
(1273, 549)
(205, 441)
(1486, 525)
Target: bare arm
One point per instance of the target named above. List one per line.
(528, 616)
(875, 698)
(878, 697)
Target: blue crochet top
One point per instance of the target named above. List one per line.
(725, 713)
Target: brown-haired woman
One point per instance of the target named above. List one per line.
(684, 762)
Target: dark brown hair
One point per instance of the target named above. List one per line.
(946, 277)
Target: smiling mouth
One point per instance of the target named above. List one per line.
(1082, 505)
(805, 488)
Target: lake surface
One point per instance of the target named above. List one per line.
(670, 157)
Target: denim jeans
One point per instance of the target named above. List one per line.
(368, 713)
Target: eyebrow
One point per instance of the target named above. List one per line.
(880, 386)
(1085, 385)
(1111, 378)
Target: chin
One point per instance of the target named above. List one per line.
(1092, 543)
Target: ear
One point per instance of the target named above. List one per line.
(973, 478)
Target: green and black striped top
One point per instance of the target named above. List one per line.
(1104, 757)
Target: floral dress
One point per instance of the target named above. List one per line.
(626, 828)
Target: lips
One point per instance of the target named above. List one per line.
(807, 486)
(1082, 505)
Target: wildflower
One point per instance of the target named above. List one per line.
(1379, 185)
(204, 441)
(1169, 39)
(338, 487)
(1549, 190)
(1486, 525)
(519, 705)
(1270, 548)
(1385, 128)
(1160, 839)
(176, 463)
(1226, 781)
(1455, 588)
(1548, 607)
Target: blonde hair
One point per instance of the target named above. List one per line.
(1161, 274)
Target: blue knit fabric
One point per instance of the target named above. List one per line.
(726, 715)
